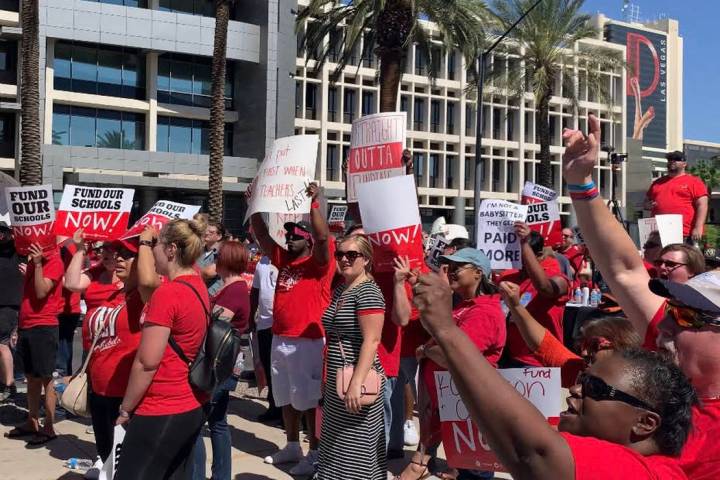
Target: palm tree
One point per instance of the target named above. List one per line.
(548, 34)
(217, 111)
(708, 171)
(390, 26)
(30, 156)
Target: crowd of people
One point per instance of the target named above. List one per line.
(342, 344)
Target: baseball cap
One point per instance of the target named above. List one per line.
(302, 225)
(701, 292)
(130, 244)
(469, 255)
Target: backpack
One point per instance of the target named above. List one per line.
(215, 360)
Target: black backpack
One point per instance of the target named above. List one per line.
(215, 360)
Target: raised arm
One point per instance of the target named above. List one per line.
(320, 230)
(260, 230)
(612, 248)
(75, 279)
(42, 285)
(530, 329)
(147, 277)
(550, 287)
(401, 310)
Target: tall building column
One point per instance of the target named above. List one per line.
(151, 72)
(459, 212)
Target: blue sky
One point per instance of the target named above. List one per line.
(699, 29)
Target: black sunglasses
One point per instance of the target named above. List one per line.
(350, 254)
(669, 264)
(596, 388)
(293, 237)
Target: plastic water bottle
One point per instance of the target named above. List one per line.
(79, 463)
(577, 298)
(595, 297)
(58, 384)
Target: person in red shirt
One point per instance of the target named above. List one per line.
(167, 413)
(69, 316)
(628, 415)
(680, 193)
(38, 340)
(544, 290)
(302, 293)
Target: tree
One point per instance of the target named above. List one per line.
(708, 171)
(548, 34)
(30, 156)
(217, 111)
(390, 26)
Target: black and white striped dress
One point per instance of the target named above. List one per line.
(352, 446)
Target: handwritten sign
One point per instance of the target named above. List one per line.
(32, 213)
(533, 193)
(284, 175)
(496, 235)
(162, 212)
(102, 213)
(391, 231)
(668, 226)
(465, 445)
(376, 146)
(437, 246)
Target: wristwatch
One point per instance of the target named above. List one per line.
(147, 243)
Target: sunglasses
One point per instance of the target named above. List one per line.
(669, 264)
(351, 255)
(687, 317)
(124, 253)
(596, 388)
(293, 238)
(454, 269)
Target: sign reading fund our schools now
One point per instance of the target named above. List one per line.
(496, 236)
(543, 213)
(102, 213)
(376, 146)
(464, 444)
(161, 213)
(32, 213)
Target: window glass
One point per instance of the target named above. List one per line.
(82, 127)
(62, 66)
(133, 77)
(164, 69)
(109, 130)
(163, 134)
(202, 84)
(181, 77)
(110, 66)
(180, 135)
(61, 125)
(84, 69)
(133, 129)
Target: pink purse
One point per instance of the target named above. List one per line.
(370, 387)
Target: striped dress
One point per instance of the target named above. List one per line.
(352, 446)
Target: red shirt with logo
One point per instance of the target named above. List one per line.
(302, 293)
(97, 295)
(175, 306)
(677, 195)
(117, 325)
(547, 311)
(700, 458)
(37, 312)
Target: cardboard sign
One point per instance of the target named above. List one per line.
(438, 244)
(670, 228)
(284, 175)
(533, 193)
(102, 213)
(276, 225)
(544, 218)
(32, 213)
(376, 145)
(337, 214)
(496, 235)
(162, 212)
(392, 231)
(464, 444)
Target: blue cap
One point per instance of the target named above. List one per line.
(472, 256)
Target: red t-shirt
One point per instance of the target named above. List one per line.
(700, 458)
(547, 311)
(236, 298)
(71, 300)
(600, 460)
(677, 195)
(575, 255)
(391, 337)
(302, 293)
(175, 306)
(35, 312)
(114, 352)
(653, 331)
(97, 295)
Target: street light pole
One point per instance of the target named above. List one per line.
(480, 114)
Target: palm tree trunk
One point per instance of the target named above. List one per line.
(545, 175)
(393, 28)
(390, 65)
(217, 112)
(30, 156)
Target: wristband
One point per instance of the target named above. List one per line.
(582, 188)
(315, 204)
(585, 195)
(146, 243)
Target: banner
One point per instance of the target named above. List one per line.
(465, 446)
(534, 193)
(276, 225)
(438, 244)
(102, 213)
(376, 145)
(392, 231)
(670, 228)
(162, 212)
(283, 176)
(32, 213)
(496, 236)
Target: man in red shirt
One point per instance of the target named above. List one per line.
(680, 193)
(69, 316)
(302, 293)
(38, 340)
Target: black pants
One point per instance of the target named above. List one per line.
(265, 347)
(104, 412)
(67, 323)
(161, 447)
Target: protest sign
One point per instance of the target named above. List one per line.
(645, 227)
(533, 193)
(336, 219)
(284, 175)
(32, 213)
(392, 231)
(102, 213)
(438, 244)
(668, 226)
(376, 145)
(544, 218)
(276, 225)
(464, 444)
(496, 235)
(162, 212)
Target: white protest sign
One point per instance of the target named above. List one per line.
(284, 175)
(32, 213)
(162, 212)
(102, 213)
(670, 228)
(376, 146)
(438, 244)
(645, 227)
(337, 214)
(537, 193)
(496, 235)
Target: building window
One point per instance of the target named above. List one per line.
(10, 5)
(333, 163)
(311, 101)
(451, 65)
(470, 116)
(435, 116)
(419, 166)
(98, 128)
(368, 103)
(298, 100)
(332, 104)
(497, 117)
(434, 170)
(182, 135)
(419, 115)
(336, 38)
(112, 71)
(450, 121)
(420, 63)
(7, 135)
(8, 62)
(186, 80)
(194, 7)
(349, 106)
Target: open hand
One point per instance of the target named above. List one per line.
(403, 272)
(149, 234)
(510, 293)
(433, 297)
(36, 253)
(522, 230)
(581, 152)
(313, 191)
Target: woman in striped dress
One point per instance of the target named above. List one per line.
(352, 444)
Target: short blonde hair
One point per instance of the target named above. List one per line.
(187, 235)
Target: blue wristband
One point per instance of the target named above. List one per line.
(582, 188)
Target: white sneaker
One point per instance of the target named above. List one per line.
(291, 453)
(411, 436)
(306, 466)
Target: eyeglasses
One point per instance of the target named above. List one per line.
(350, 254)
(596, 388)
(454, 269)
(124, 253)
(669, 264)
(687, 317)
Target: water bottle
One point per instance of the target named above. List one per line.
(58, 384)
(79, 463)
(595, 297)
(577, 298)
(585, 294)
